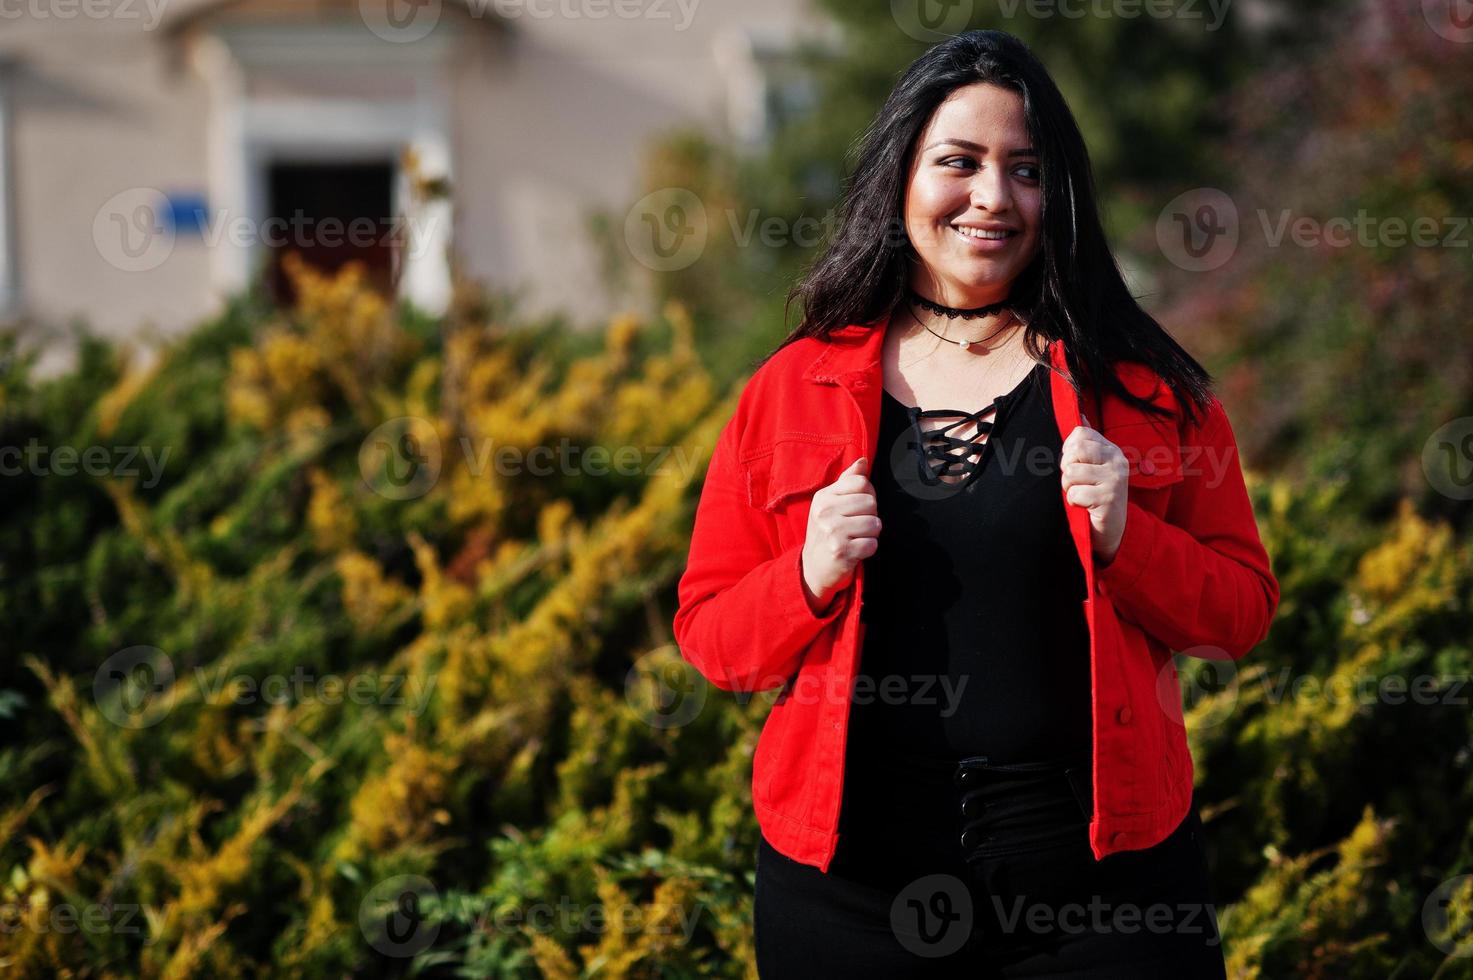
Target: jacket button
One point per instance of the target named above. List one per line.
(1117, 837)
(836, 726)
(1147, 467)
(972, 807)
(1123, 715)
(970, 839)
(967, 777)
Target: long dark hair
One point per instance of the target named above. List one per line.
(1072, 289)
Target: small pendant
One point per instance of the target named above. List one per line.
(966, 344)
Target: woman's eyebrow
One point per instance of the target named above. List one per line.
(1026, 151)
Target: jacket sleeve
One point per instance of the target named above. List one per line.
(743, 620)
(1201, 577)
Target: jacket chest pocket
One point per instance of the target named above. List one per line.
(1153, 452)
(782, 477)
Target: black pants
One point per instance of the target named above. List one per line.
(951, 869)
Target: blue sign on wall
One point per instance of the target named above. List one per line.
(187, 214)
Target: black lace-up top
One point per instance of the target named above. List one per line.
(939, 453)
(976, 640)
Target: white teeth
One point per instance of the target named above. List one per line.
(979, 233)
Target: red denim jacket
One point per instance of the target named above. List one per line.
(1191, 575)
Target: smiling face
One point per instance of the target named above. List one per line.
(973, 201)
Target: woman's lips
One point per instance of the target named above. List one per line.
(985, 244)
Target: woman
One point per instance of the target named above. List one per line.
(976, 763)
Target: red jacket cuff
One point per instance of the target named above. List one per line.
(794, 598)
(1134, 554)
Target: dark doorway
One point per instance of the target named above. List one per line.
(330, 213)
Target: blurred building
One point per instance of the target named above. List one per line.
(158, 155)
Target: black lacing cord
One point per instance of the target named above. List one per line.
(952, 451)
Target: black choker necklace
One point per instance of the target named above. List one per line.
(953, 312)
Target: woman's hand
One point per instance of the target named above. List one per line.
(843, 530)
(1096, 476)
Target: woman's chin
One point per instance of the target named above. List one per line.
(981, 274)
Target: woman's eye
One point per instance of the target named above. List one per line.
(1030, 170)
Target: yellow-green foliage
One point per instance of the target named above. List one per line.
(1312, 919)
(403, 804)
(251, 813)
